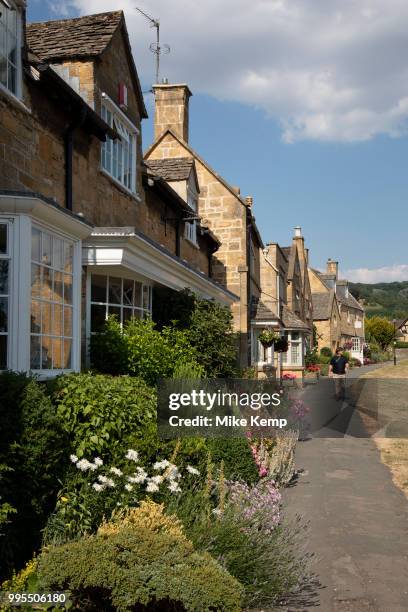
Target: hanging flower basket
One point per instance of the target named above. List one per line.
(281, 345)
(267, 338)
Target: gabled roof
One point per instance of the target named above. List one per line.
(349, 301)
(171, 169)
(67, 38)
(322, 305)
(80, 38)
(292, 321)
(229, 187)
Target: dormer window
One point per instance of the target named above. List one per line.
(191, 226)
(119, 155)
(10, 47)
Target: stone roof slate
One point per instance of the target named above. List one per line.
(172, 169)
(261, 312)
(349, 301)
(322, 303)
(80, 37)
(292, 321)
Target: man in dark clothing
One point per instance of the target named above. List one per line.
(337, 370)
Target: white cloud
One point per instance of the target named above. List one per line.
(326, 70)
(387, 274)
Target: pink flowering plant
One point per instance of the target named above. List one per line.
(259, 504)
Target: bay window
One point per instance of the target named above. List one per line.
(260, 354)
(126, 298)
(10, 52)
(4, 293)
(51, 301)
(119, 155)
(294, 354)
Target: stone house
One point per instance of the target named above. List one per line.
(343, 324)
(220, 206)
(86, 230)
(402, 330)
(285, 304)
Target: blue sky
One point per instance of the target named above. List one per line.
(347, 188)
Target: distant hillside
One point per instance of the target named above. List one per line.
(383, 299)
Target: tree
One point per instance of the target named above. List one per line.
(380, 330)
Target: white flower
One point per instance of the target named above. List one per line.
(128, 487)
(132, 455)
(192, 470)
(73, 458)
(108, 482)
(173, 472)
(217, 511)
(157, 479)
(139, 477)
(152, 487)
(85, 465)
(173, 487)
(161, 465)
(98, 461)
(116, 471)
(97, 486)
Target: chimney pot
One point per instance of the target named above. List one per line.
(298, 232)
(249, 201)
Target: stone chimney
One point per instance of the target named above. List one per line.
(171, 109)
(332, 267)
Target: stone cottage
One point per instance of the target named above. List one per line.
(338, 316)
(219, 206)
(86, 230)
(285, 305)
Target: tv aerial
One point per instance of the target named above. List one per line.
(155, 47)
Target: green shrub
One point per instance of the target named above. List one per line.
(208, 325)
(311, 357)
(139, 349)
(326, 351)
(137, 566)
(236, 454)
(33, 446)
(324, 359)
(101, 414)
(380, 330)
(401, 345)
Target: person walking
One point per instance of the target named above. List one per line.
(337, 370)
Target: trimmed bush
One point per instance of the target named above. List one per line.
(326, 351)
(33, 447)
(237, 456)
(138, 568)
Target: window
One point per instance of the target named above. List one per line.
(356, 344)
(9, 47)
(4, 293)
(51, 301)
(125, 298)
(191, 226)
(294, 355)
(260, 354)
(119, 156)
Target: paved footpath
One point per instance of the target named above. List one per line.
(358, 523)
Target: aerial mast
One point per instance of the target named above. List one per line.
(156, 47)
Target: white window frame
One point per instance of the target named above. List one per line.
(121, 120)
(287, 360)
(145, 312)
(258, 349)
(20, 295)
(190, 227)
(8, 256)
(17, 95)
(62, 337)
